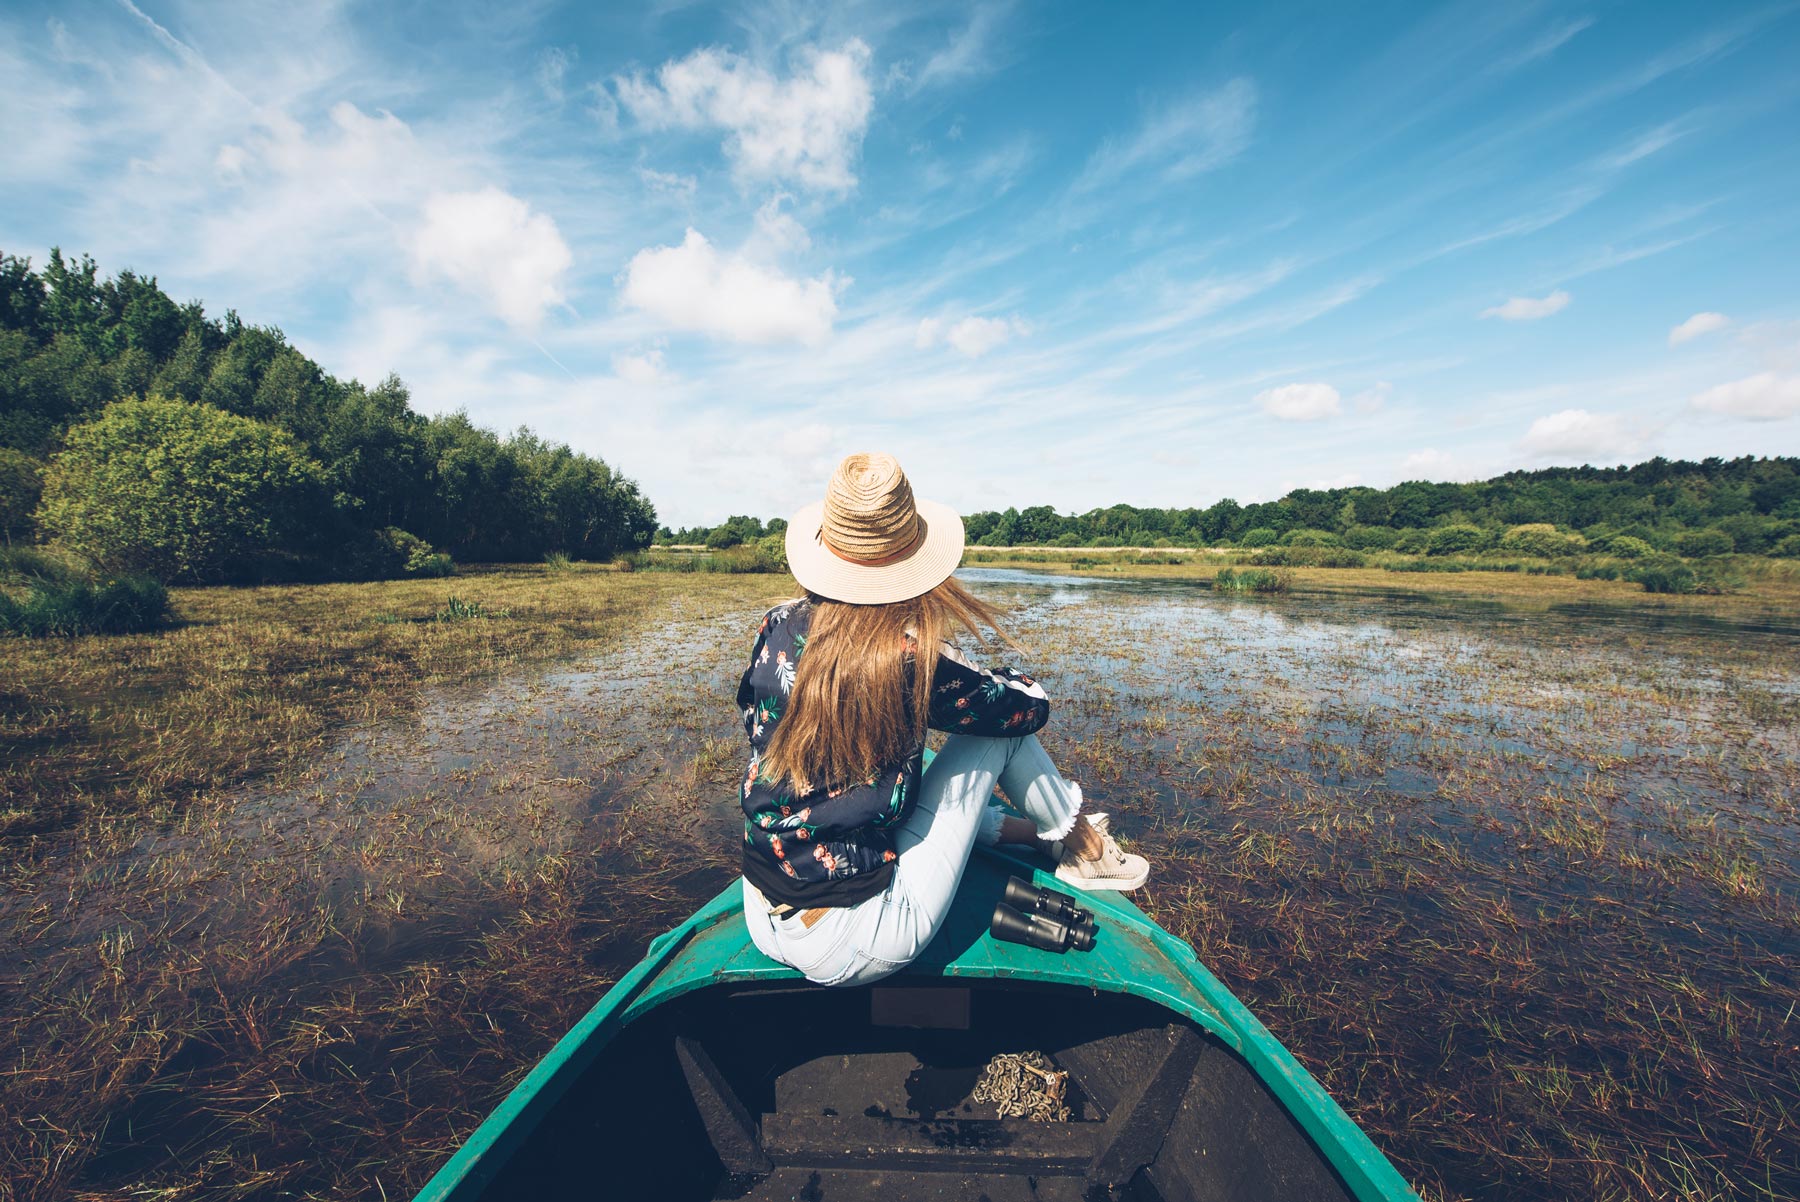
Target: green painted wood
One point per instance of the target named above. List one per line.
(1132, 956)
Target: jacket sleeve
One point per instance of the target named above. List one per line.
(746, 693)
(969, 700)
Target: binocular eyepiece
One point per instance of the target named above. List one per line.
(1042, 918)
(1024, 896)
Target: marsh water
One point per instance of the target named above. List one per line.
(1519, 885)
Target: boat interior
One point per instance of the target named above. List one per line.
(794, 1092)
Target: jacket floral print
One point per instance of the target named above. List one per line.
(834, 846)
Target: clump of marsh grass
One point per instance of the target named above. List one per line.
(47, 595)
(458, 610)
(1253, 580)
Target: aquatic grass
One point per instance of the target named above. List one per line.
(68, 609)
(456, 609)
(1518, 886)
(1253, 580)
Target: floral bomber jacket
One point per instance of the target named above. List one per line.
(834, 846)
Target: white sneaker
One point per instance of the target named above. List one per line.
(1054, 848)
(1113, 870)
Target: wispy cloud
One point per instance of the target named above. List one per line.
(973, 50)
(1547, 43)
(1180, 139)
(1528, 308)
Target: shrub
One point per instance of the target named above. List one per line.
(1428, 565)
(1457, 539)
(21, 483)
(1311, 557)
(1664, 575)
(431, 563)
(122, 605)
(386, 554)
(1698, 544)
(1597, 571)
(557, 561)
(1543, 540)
(1260, 536)
(1753, 533)
(1624, 546)
(1371, 538)
(771, 552)
(1310, 538)
(177, 490)
(1787, 548)
(1411, 541)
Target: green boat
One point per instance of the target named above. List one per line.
(710, 1071)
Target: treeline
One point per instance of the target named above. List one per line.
(1714, 506)
(734, 531)
(150, 437)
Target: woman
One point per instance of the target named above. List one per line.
(852, 856)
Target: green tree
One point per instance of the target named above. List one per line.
(1541, 539)
(179, 490)
(21, 483)
(1456, 539)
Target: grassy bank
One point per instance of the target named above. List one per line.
(250, 680)
(1759, 584)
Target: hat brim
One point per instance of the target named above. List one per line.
(820, 571)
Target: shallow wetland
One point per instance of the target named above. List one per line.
(1519, 886)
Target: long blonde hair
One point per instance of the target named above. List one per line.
(847, 714)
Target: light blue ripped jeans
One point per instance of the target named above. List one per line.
(854, 945)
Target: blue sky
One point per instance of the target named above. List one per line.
(1044, 253)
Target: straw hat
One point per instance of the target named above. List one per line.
(869, 542)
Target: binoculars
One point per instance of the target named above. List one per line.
(1042, 918)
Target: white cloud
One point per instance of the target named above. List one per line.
(695, 287)
(1579, 434)
(493, 246)
(806, 128)
(646, 368)
(1300, 402)
(1432, 464)
(1698, 324)
(973, 336)
(1526, 308)
(1183, 139)
(1765, 397)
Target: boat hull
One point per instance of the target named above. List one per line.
(757, 1075)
